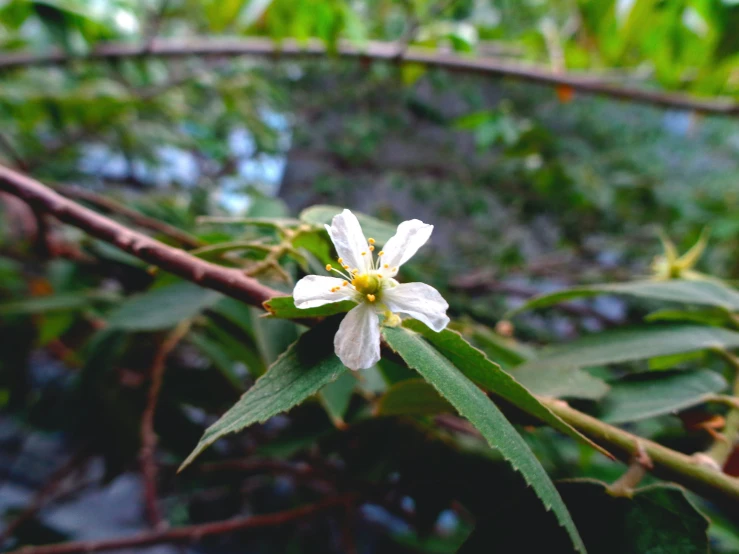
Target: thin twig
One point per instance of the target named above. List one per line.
(148, 435)
(217, 46)
(229, 281)
(111, 206)
(193, 533)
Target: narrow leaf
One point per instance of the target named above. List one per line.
(476, 366)
(708, 293)
(626, 345)
(284, 307)
(561, 382)
(651, 395)
(412, 397)
(473, 404)
(306, 366)
(72, 301)
(336, 396)
(162, 308)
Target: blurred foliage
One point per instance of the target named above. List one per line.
(530, 189)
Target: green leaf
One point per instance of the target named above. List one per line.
(162, 308)
(412, 397)
(336, 396)
(657, 519)
(306, 366)
(220, 358)
(73, 301)
(649, 395)
(626, 345)
(707, 293)
(271, 335)
(561, 382)
(321, 215)
(476, 366)
(284, 307)
(473, 404)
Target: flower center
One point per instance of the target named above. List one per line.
(367, 283)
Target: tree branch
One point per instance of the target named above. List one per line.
(231, 282)
(193, 533)
(111, 206)
(148, 435)
(216, 46)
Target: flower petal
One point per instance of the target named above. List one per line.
(357, 342)
(315, 290)
(410, 236)
(348, 238)
(420, 301)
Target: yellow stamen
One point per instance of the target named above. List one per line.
(341, 261)
(371, 297)
(381, 253)
(386, 266)
(371, 240)
(328, 267)
(345, 266)
(395, 269)
(371, 248)
(345, 283)
(364, 253)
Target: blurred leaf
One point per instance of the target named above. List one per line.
(300, 372)
(649, 395)
(73, 301)
(272, 335)
(220, 358)
(507, 352)
(657, 519)
(709, 293)
(626, 345)
(372, 227)
(336, 396)
(561, 382)
(715, 317)
(162, 308)
(477, 367)
(474, 405)
(284, 307)
(412, 397)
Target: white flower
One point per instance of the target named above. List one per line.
(369, 281)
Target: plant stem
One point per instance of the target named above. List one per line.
(668, 464)
(192, 533)
(722, 449)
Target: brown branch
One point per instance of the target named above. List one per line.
(229, 281)
(216, 46)
(148, 435)
(111, 206)
(193, 533)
